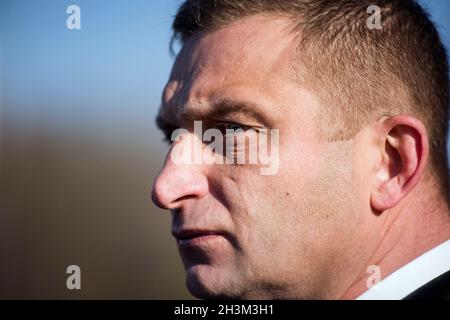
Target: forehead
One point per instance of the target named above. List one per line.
(245, 52)
(253, 58)
(256, 44)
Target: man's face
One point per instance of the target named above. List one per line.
(242, 234)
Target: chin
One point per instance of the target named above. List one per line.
(206, 282)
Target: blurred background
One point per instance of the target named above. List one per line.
(79, 148)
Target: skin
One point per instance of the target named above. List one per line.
(311, 230)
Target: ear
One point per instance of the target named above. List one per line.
(404, 152)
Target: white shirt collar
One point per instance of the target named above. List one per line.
(411, 276)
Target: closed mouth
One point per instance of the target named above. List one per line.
(194, 233)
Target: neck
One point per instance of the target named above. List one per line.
(419, 223)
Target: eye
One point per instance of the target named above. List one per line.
(224, 126)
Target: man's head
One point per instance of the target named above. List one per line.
(358, 111)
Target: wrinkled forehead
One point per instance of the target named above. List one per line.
(254, 52)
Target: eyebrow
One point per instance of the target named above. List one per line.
(217, 110)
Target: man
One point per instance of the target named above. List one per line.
(361, 193)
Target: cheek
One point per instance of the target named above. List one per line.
(301, 201)
(310, 199)
(274, 208)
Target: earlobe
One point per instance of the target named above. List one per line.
(386, 194)
(403, 158)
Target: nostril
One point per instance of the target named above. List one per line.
(187, 197)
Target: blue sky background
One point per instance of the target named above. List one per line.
(107, 75)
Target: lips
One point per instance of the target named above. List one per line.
(195, 236)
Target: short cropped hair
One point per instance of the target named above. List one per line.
(359, 73)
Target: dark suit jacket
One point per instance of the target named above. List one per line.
(436, 289)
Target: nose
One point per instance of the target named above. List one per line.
(178, 182)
